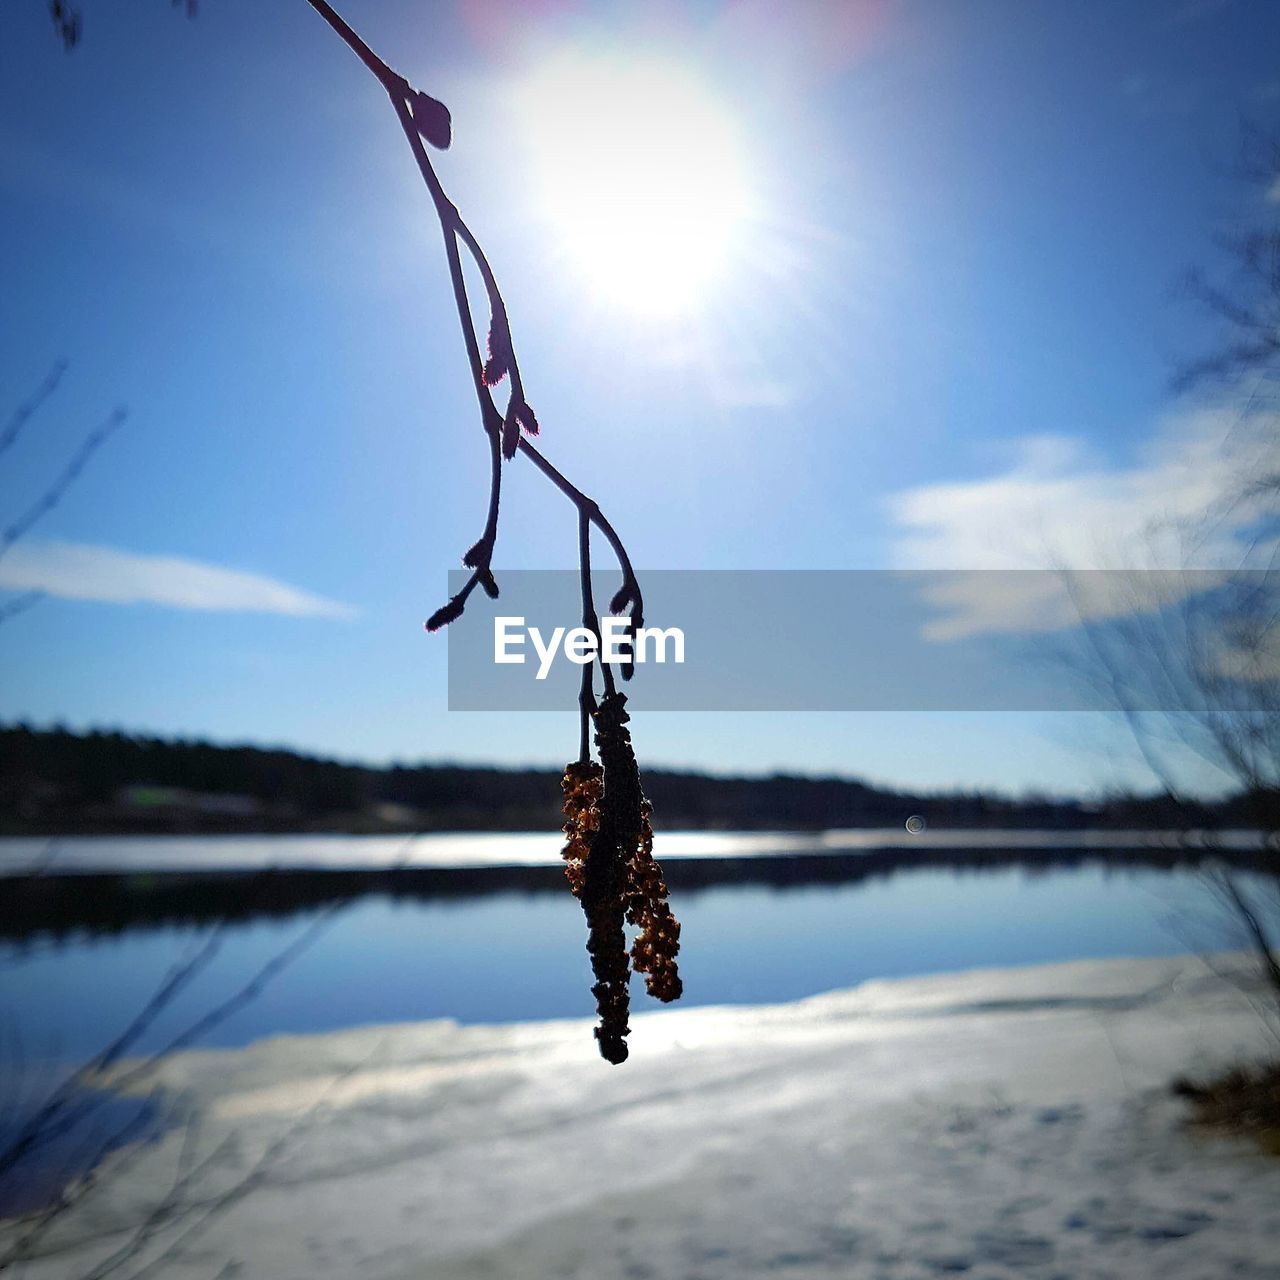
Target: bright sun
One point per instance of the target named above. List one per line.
(643, 171)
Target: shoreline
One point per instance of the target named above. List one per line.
(62, 893)
(998, 1122)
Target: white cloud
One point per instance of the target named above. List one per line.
(79, 571)
(1034, 601)
(1059, 507)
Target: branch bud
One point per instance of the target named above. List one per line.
(432, 120)
(446, 614)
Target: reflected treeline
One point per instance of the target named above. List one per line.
(101, 903)
(58, 782)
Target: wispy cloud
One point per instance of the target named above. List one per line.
(1058, 506)
(81, 571)
(1001, 602)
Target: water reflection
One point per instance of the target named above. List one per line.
(39, 907)
(519, 954)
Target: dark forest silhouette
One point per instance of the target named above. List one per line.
(54, 781)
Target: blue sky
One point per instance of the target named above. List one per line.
(943, 340)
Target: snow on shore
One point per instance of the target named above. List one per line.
(1009, 1123)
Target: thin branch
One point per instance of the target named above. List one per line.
(358, 46)
(62, 1110)
(502, 432)
(1257, 931)
(24, 412)
(20, 604)
(587, 693)
(629, 594)
(55, 492)
(590, 618)
(256, 1174)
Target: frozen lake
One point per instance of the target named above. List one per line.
(70, 854)
(515, 955)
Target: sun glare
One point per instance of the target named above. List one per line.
(643, 173)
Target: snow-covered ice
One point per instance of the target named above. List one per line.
(995, 1124)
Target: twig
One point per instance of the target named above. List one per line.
(60, 1111)
(20, 604)
(423, 117)
(24, 412)
(54, 494)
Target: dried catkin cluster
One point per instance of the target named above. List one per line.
(609, 862)
(583, 785)
(654, 950)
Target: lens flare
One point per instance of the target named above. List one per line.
(642, 170)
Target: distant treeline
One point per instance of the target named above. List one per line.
(54, 781)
